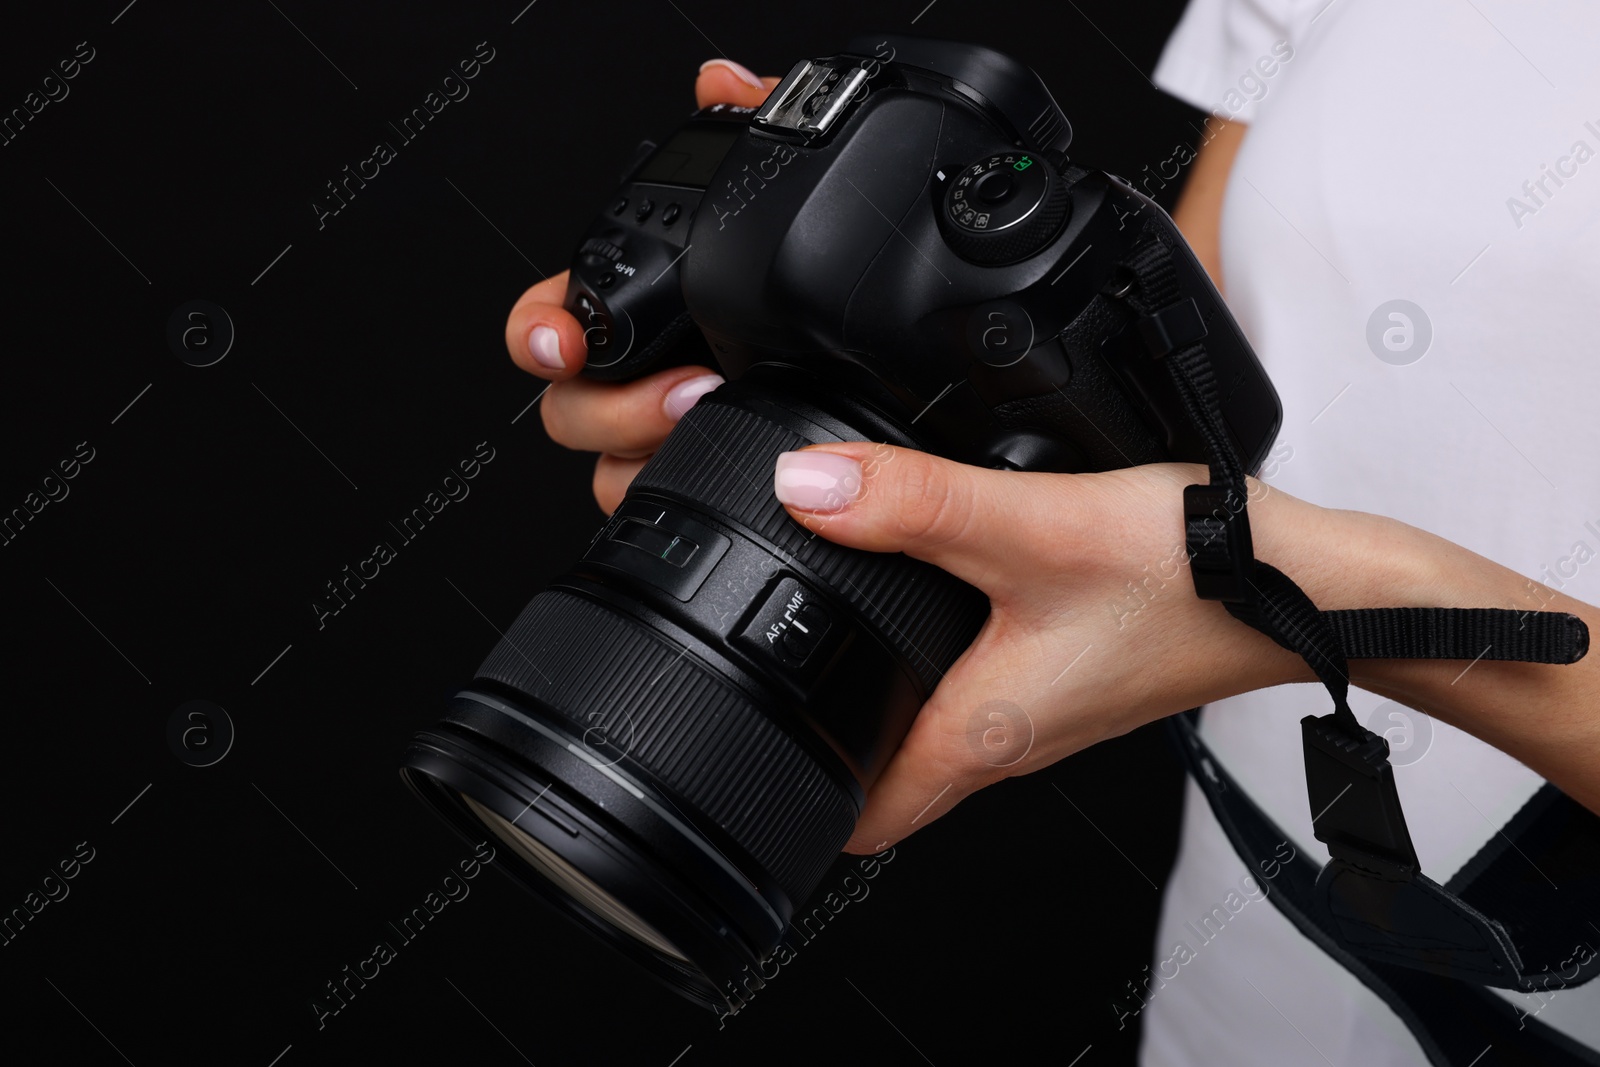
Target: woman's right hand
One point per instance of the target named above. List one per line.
(627, 421)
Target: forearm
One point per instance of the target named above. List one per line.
(1546, 716)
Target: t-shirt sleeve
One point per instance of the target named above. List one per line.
(1215, 57)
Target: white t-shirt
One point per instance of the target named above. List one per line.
(1445, 153)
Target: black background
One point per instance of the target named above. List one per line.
(368, 360)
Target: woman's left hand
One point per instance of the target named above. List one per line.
(1095, 628)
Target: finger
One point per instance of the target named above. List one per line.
(542, 336)
(553, 290)
(993, 529)
(628, 420)
(722, 81)
(612, 476)
(965, 738)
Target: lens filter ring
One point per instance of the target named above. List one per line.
(711, 926)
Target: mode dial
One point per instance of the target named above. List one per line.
(1004, 208)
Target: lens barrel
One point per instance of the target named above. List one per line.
(686, 723)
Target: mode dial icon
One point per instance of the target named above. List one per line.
(1004, 208)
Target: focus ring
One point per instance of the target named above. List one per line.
(611, 677)
(927, 616)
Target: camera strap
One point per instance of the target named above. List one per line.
(1453, 1021)
(1500, 922)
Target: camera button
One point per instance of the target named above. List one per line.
(790, 624)
(599, 251)
(670, 214)
(620, 206)
(645, 207)
(994, 187)
(806, 630)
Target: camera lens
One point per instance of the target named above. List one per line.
(674, 740)
(571, 880)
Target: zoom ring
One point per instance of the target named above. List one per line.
(722, 459)
(635, 699)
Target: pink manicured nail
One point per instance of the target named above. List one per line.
(681, 397)
(816, 481)
(544, 345)
(742, 73)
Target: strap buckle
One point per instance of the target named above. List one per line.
(1217, 534)
(1355, 807)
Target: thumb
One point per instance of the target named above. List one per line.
(992, 529)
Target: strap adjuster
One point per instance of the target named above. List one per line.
(1217, 534)
(1349, 778)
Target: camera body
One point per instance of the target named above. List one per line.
(901, 221)
(675, 739)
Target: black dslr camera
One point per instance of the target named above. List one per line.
(675, 738)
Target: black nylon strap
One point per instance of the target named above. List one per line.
(1371, 900)
(1263, 597)
(1284, 613)
(1539, 878)
(1459, 633)
(1455, 1022)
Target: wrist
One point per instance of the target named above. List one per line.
(1341, 560)
(1350, 559)
(1542, 714)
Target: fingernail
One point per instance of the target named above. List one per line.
(816, 481)
(544, 344)
(742, 73)
(681, 397)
